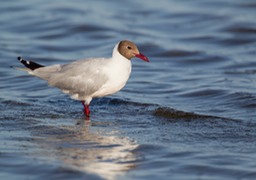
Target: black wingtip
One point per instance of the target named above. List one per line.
(29, 64)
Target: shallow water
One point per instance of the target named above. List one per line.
(188, 114)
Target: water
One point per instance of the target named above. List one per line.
(188, 114)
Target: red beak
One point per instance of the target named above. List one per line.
(141, 56)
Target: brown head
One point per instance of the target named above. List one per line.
(129, 50)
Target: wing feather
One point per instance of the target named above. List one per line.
(80, 77)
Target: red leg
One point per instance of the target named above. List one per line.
(86, 109)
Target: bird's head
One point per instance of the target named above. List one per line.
(129, 50)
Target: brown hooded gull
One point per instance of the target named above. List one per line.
(90, 78)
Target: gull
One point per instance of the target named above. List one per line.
(89, 78)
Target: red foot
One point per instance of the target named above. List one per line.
(86, 109)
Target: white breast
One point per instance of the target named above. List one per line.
(118, 71)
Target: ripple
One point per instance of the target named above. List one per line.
(178, 115)
(86, 28)
(188, 114)
(204, 93)
(178, 53)
(241, 29)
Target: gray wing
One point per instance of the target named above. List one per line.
(83, 77)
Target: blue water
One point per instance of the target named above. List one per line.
(188, 114)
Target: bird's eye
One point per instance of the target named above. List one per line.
(129, 47)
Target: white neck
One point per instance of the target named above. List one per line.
(118, 58)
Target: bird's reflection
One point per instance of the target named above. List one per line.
(91, 148)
